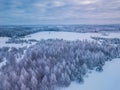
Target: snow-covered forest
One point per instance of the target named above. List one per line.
(52, 63)
(55, 60)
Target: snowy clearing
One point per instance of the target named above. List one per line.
(3, 43)
(109, 79)
(71, 36)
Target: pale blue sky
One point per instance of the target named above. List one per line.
(59, 12)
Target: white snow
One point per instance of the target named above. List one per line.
(3, 63)
(71, 36)
(109, 79)
(3, 43)
(59, 35)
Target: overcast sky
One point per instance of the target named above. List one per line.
(59, 12)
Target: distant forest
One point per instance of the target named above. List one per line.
(21, 31)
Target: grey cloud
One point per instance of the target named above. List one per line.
(55, 11)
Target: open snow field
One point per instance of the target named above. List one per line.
(71, 36)
(109, 79)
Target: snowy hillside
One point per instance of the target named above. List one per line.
(109, 79)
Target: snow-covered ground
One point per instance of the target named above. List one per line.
(3, 43)
(109, 79)
(3, 40)
(71, 36)
(60, 35)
